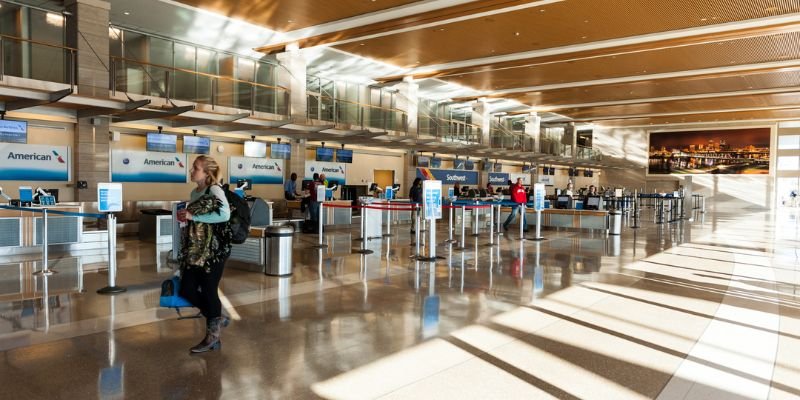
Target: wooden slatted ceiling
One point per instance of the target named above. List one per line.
(288, 15)
(780, 47)
(555, 25)
(770, 115)
(687, 106)
(695, 85)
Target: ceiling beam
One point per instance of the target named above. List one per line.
(95, 111)
(19, 104)
(152, 113)
(461, 12)
(650, 42)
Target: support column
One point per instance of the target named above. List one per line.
(292, 75)
(571, 139)
(87, 31)
(533, 129)
(481, 117)
(297, 164)
(408, 102)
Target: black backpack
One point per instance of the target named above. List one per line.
(240, 216)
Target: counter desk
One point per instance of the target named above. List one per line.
(558, 218)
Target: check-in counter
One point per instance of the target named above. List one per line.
(22, 230)
(398, 216)
(557, 218)
(253, 250)
(339, 214)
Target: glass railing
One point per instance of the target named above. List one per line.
(25, 58)
(325, 108)
(555, 147)
(449, 130)
(588, 153)
(136, 77)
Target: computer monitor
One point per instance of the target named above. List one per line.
(306, 185)
(592, 203)
(564, 202)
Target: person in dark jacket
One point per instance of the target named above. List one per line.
(415, 194)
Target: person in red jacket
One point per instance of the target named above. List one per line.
(517, 196)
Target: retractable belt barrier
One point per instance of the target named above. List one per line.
(112, 288)
(378, 206)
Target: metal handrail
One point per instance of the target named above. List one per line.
(354, 102)
(38, 42)
(189, 71)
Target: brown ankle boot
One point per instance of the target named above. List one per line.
(212, 340)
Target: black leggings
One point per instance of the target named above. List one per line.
(200, 288)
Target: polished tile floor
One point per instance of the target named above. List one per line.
(705, 309)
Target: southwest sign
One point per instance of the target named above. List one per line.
(148, 166)
(448, 176)
(265, 171)
(28, 162)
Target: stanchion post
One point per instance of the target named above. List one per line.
(416, 234)
(499, 231)
(450, 227)
(388, 221)
(45, 255)
(475, 212)
(521, 209)
(363, 249)
(463, 244)
(112, 287)
(320, 245)
(491, 224)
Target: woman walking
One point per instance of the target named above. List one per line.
(206, 245)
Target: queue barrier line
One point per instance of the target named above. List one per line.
(50, 211)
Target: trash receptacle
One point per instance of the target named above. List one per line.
(279, 250)
(614, 222)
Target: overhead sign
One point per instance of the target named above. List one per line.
(265, 171)
(498, 178)
(13, 131)
(148, 166)
(548, 180)
(448, 176)
(109, 197)
(526, 178)
(29, 162)
(538, 196)
(334, 172)
(432, 199)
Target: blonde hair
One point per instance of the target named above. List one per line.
(211, 168)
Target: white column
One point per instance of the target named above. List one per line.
(482, 118)
(292, 75)
(407, 100)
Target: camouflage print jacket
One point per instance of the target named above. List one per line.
(204, 244)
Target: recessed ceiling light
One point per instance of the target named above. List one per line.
(290, 21)
(362, 44)
(703, 19)
(516, 33)
(127, 12)
(583, 37)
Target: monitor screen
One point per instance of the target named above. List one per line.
(563, 202)
(592, 203)
(162, 142)
(526, 168)
(344, 156)
(487, 166)
(498, 167)
(325, 154)
(281, 151)
(469, 165)
(196, 145)
(459, 164)
(423, 161)
(255, 149)
(436, 163)
(13, 131)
